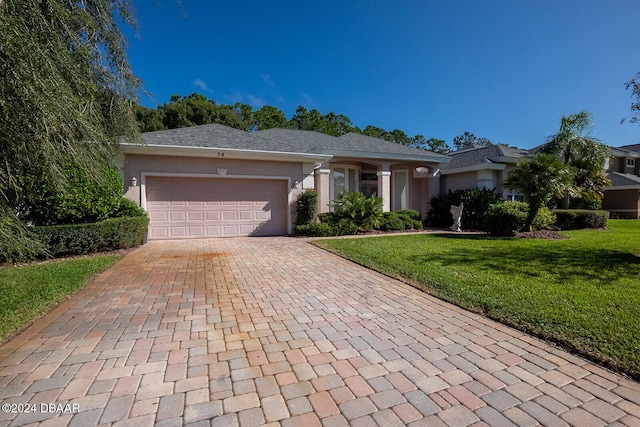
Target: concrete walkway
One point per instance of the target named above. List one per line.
(254, 331)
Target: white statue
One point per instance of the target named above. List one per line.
(456, 213)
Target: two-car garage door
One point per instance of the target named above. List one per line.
(182, 208)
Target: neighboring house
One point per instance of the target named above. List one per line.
(481, 166)
(212, 180)
(622, 198)
(489, 166)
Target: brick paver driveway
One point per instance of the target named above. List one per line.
(253, 331)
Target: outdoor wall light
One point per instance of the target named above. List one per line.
(296, 184)
(134, 181)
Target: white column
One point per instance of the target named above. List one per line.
(384, 187)
(322, 187)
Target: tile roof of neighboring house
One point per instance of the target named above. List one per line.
(632, 147)
(485, 154)
(619, 179)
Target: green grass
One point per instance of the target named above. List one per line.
(28, 292)
(582, 292)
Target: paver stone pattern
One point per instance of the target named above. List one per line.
(273, 331)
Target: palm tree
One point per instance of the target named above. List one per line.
(539, 179)
(584, 153)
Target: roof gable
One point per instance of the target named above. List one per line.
(485, 154)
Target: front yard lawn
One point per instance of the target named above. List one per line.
(582, 292)
(29, 291)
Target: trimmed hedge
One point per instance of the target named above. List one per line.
(315, 229)
(78, 239)
(391, 221)
(506, 218)
(576, 219)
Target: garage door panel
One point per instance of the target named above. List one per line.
(177, 231)
(230, 230)
(196, 231)
(158, 233)
(177, 216)
(158, 216)
(229, 215)
(196, 215)
(204, 207)
(213, 215)
(262, 215)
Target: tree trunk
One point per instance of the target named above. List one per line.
(533, 211)
(565, 202)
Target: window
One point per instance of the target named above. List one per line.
(631, 163)
(369, 183)
(400, 189)
(513, 196)
(343, 178)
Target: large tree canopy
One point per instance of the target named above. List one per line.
(67, 90)
(468, 140)
(196, 109)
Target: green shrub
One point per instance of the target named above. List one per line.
(410, 214)
(315, 229)
(413, 225)
(570, 219)
(476, 203)
(81, 200)
(589, 200)
(543, 219)
(128, 208)
(17, 241)
(391, 221)
(411, 218)
(307, 207)
(365, 212)
(440, 208)
(77, 239)
(506, 218)
(345, 226)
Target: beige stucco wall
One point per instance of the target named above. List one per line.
(458, 181)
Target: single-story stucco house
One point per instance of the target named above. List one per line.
(213, 180)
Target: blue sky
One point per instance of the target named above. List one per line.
(502, 69)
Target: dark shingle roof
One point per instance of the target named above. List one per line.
(359, 142)
(286, 141)
(216, 136)
(623, 179)
(481, 154)
(635, 148)
(351, 143)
